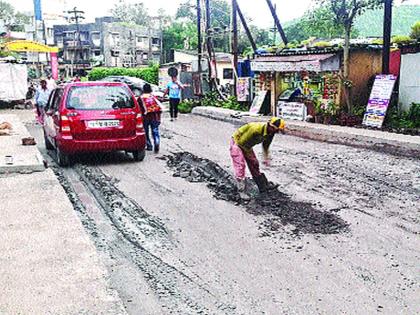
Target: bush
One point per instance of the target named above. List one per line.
(186, 106)
(149, 74)
(415, 31)
(407, 120)
(401, 39)
(213, 99)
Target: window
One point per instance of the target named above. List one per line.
(145, 56)
(155, 41)
(227, 74)
(97, 52)
(99, 98)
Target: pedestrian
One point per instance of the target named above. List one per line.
(151, 110)
(76, 78)
(174, 89)
(42, 95)
(51, 84)
(241, 151)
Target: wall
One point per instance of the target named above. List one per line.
(410, 80)
(364, 65)
(220, 65)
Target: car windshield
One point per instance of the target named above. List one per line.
(99, 97)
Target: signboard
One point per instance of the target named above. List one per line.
(379, 100)
(285, 66)
(292, 110)
(242, 89)
(258, 102)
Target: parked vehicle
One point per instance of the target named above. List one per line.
(93, 117)
(136, 85)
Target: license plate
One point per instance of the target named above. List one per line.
(103, 123)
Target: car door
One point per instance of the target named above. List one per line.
(53, 115)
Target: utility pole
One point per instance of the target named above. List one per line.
(246, 28)
(209, 42)
(274, 29)
(277, 21)
(235, 43)
(199, 46)
(76, 16)
(387, 36)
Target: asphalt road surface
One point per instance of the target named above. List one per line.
(173, 246)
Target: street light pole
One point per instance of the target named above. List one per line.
(235, 43)
(387, 36)
(77, 15)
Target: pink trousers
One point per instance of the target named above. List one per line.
(239, 158)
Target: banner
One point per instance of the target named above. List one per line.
(379, 100)
(54, 65)
(37, 10)
(242, 89)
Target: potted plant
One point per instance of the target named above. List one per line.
(329, 110)
(318, 110)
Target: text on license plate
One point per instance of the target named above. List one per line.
(103, 123)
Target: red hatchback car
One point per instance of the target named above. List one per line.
(93, 117)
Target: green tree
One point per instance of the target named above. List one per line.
(345, 12)
(135, 13)
(415, 31)
(13, 20)
(179, 35)
(7, 13)
(319, 23)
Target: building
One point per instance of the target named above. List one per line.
(109, 43)
(224, 64)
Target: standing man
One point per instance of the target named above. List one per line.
(42, 95)
(51, 85)
(241, 152)
(174, 89)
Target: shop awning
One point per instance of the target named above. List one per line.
(29, 46)
(296, 63)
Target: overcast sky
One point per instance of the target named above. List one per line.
(256, 9)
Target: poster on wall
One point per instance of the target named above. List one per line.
(292, 110)
(258, 102)
(242, 89)
(379, 100)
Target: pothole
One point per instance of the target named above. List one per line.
(279, 208)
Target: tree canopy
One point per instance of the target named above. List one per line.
(12, 19)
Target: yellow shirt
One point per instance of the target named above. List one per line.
(247, 136)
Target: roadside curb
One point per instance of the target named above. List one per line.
(23, 159)
(395, 144)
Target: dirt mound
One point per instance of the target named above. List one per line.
(280, 207)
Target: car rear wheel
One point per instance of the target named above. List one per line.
(63, 159)
(139, 155)
(48, 144)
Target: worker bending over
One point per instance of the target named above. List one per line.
(241, 151)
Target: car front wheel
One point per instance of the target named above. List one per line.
(139, 155)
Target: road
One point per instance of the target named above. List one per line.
(342, 237)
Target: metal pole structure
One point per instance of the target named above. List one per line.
(387, 36)
(199, 46)
(274, 28)
(77, 15)
(277, 21)
(208, 42)
(246, 28)
(235, 43)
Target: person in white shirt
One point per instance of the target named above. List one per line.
(41, 99)
(51, 85)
